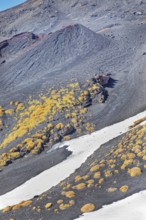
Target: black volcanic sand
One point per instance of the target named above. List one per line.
(104, 36)
(98, 196)
(25, 168)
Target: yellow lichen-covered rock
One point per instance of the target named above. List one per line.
(124, 188)
(135, 171)
(70, 194)
(90, 207)
(95, 168)
(48, 205)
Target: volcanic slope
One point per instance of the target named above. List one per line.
(45, 44)
(27, 58)
(115, 171)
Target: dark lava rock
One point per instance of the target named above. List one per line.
(87, 103)
(68, 130)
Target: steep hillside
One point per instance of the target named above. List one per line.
(69, 68)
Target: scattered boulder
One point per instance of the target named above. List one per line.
(103, 79)
(67, 130)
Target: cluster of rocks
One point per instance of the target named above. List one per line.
(59, 134)
(100, 94)
(101, 79)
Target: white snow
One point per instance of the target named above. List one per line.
(131, 208)
(81, 148)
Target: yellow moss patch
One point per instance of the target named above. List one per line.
(90, 207)
(144, 157)
(26, 203)
(15, 207)
(1, 111)
(60, 126)
(95, 168)
(131, 155)
(59, 201)
(85, 177)
(91, 181)
(135, 171)
(1, 123)
(124, 188)
(101, 181)
(14, 155)
(78, 178)
(7, 209)
(64, 206)
(48, 205)
(70, 194)
(9, 111)
(80, 186)
(112, 189)
(71, 202)
(22, 204)
(108, 173)
(67, 138)
(97, 175)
